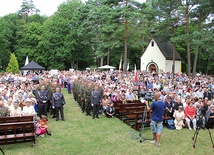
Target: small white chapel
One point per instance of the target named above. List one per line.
(158, 57)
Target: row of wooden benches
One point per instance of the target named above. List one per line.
(17, 130)
(132, 114)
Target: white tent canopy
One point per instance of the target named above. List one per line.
(106, 67)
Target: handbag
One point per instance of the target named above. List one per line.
(170, 124)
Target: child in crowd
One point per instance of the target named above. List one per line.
(110, 111)
(104, 104)
(42, 126)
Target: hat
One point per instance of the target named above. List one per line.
(180, 107)
(28, 100)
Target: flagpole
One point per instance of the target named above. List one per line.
(128, 66)
(120, 65)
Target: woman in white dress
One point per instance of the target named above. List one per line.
(179, 116)
(28, 109)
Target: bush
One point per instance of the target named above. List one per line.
(13, 65)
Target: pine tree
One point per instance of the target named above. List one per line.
(13, 65)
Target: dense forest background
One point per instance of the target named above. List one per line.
(100, 32)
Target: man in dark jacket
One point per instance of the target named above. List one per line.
(43, 97)
(58, 101)
(96, 101)
(207, 94)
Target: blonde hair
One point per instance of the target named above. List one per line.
(37, 118)
(30, 94)
(43, 117)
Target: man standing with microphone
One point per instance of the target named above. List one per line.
(96, 101)
(156, 124)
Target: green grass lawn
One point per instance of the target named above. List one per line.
(81, 135)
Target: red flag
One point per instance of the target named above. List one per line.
(135, 74)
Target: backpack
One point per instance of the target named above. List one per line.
(170, 124)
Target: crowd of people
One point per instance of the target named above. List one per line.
(33, 94)
(185, 98)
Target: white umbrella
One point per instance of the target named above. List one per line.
(106, 67)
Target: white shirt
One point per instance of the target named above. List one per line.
(200, 94)
(157, 86)
(10, 107)
(28, 110)
(18, 112)
(178, 114)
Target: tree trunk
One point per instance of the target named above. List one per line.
(72, 64)
(125, 43)
(108, 57)
(173, 55)
(101, 61)
(188, 39)
(77, 65)
(125, 47)
(197, 49)
(173, 62)
(208, 63)
(143, 48)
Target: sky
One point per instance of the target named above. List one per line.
(46, 7)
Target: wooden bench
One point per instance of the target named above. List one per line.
(116, 105)
(130, 113)
(16, 119)
(122, 108)
(22, 130)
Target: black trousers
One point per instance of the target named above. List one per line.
(88, 107)
(42, 109)
(83, 105)
(49, 106)
(59, 109)
(96, 109)
(210, 123)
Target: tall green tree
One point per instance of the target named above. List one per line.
(27, 8)
(8, 26)
(200, 14)
(28, 44)
(13, 65)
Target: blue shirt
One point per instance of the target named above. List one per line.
(149, 86)
(130, 96)
(158, 111)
